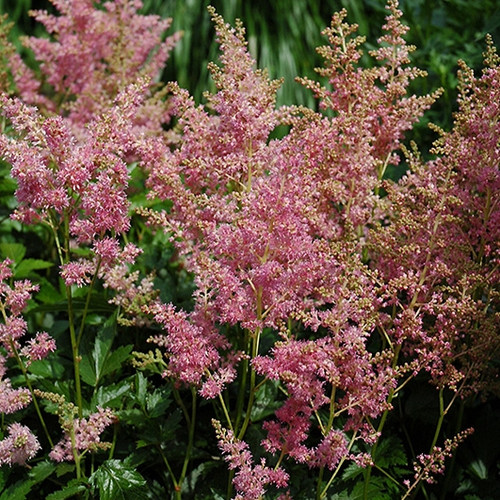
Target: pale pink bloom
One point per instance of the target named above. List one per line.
(19, 446)
(77, 273)
(38, 347)
(85, 58)
(250, 480)
(86, 432)
(12, 400)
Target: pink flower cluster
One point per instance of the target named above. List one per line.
(19, 446)
(294, 236)
(353, 281)
(250, 480)
(13, 300)
(82, 435)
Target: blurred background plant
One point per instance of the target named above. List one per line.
(282, 35)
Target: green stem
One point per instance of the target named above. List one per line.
(319, 483)
(251, 396)
(442, 414)
(76, 456)
(381, 424)
(75, 353)
(191, 426)
(177, 488)
(87, 303)
(242, 385)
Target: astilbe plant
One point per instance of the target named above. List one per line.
(316, 279)
(69, 158)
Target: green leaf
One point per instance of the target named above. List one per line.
(115, 480)
(352, 471)
(377, 490)
(116, 359)
(216, 496)
(13, 251)
(48, 293)
(265, 401)
(111, 395)
(101, 361)
(479, 469)
(141, 384)
(42, 471)
(390, 451)
(17, 491)
(69, 491)
(48, 368)
(25, 267)
(158, 402)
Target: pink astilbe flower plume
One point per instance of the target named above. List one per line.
(78, 189)
(250, 480)
(194, 350)
(274, 231)
(19, 446)
(82, 435)
(372, 111)
(439, 254)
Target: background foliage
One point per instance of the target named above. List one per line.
(282, 36)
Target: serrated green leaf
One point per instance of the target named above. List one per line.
(133, 416)
(93, 364)
(377, 490)
(352, 471)
(64, 468)
(17, 491)
(390, 451)
(110, 395)
(479, 469)
(141, 384)
(69, 491)
(216, 496)
(49, 368)
(42, 471)
(115, 480)
(158, 402)
(116, 359)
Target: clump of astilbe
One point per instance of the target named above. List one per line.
(80, 435)
(216, 178)
(94, 53)
(438, 252)
(260, 225)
